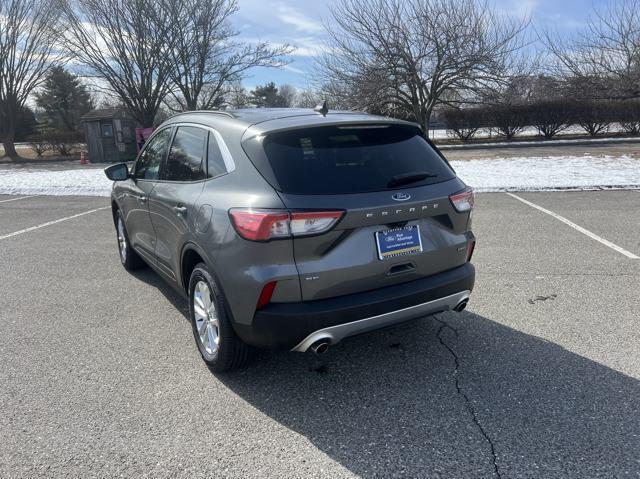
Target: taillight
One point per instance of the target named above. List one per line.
(260, 225)
(263, 225)
(463, 201)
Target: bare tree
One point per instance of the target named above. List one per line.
(371, 92)
(288, 95)
(309, 98)
(464, 123)
(604, 58)
(126, 44)
(550, 117)
(549, 109)
(506, 109)
(206, 56)
(236, 95)
(412, 55)
(27, 52)
(508, 119)
(594, 116)
(628, 113)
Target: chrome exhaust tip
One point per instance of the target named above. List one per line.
(461, 305)
(321, 346)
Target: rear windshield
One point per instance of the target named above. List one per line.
(353, 159)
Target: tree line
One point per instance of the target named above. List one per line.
(404, 58)
(475, 66)
(55, 125)
(547, 105)
(183, 55)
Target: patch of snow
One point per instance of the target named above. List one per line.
(498, 174)
(442, 133)
(555, 142)
(73, 182)
(550, 172)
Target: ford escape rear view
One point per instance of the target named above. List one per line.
(293, 229)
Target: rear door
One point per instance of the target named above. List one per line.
(393, 187)
(173, 203)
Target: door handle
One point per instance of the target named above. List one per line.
(180, 210)
(142, 198)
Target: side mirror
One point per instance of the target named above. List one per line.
(118, 172)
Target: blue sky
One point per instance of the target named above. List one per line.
(300, 23)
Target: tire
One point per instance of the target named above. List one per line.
(219, 346)
(128, 257)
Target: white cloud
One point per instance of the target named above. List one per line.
(517, 8)
(308, 47)
(304, 47)
(295, 70)
(298, 20)
(525, 8)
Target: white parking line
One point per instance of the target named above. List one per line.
(586, 232)
(49, 223)
(16, 199)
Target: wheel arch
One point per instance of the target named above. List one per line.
(114, 210)
(191, 255)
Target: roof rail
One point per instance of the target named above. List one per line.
(212, 112)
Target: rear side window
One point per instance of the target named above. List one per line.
(215, 161)
(186, 157)
(352, 159)
(148, 164)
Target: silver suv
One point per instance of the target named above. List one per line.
(293, 228)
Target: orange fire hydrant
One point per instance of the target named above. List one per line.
(83, 158)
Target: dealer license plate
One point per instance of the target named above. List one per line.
(398, 242)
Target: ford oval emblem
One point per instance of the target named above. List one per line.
(401, 196)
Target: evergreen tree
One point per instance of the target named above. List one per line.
(26, 123)
(267, 96)
(64, 100)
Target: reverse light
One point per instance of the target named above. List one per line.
(264, 225)
(463, 201)
(313, 222)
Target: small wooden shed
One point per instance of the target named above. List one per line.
(110, 135)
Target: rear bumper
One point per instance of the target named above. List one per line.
(298, 325)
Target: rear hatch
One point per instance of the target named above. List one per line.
(393, 188)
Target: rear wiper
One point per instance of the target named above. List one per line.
(406, 178)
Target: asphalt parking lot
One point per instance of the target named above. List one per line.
(99, 376)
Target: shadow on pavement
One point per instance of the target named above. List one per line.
(150, 277)
(457, 395)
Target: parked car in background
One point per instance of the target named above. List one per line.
(295, 228)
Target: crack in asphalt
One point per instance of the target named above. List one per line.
(472, 411)
(542, 298)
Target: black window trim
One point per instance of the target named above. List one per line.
(225, 154)
(144, 148)
(166, 157)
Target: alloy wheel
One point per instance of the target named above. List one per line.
(206, 317)
(122, 239)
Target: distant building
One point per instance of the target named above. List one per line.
(110, 135)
